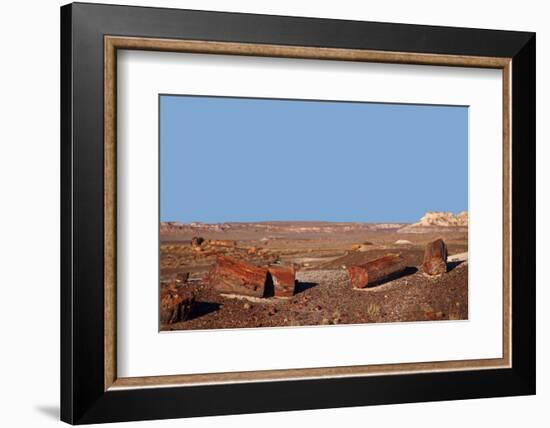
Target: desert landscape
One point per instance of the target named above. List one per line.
(283, 274)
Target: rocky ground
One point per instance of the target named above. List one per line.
(320, 253)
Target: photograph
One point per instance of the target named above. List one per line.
(294, 212)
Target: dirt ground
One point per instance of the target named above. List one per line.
(323, 292)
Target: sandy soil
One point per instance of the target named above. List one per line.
(323, 292)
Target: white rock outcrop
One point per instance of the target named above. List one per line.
(434, 220)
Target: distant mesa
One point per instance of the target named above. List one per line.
(437, 220)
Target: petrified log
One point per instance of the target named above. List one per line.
(361, 247)
(376, 271)
(197, 241)
(176, 304)
(182, 277)
(284, 280)
(236, 277)
(435, 258)
(222, 243)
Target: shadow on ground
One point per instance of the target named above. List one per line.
(204, 308)
(452, 265)
(409, 270)
(303, 286)
(50, 411)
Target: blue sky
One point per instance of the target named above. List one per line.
(246, 159)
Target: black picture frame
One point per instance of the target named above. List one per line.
(83, 398)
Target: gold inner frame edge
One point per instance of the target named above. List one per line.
(113, 43)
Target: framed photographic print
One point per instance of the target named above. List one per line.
(265, 213)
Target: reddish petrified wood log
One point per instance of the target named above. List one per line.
(376, 271)
(236, 277)
(435, 258)
(284, 280)
(176, 304)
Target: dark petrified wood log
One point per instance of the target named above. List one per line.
(284, 280)
(176, 304)
(435, 258)
(182, 277)
(197, 241)
(236, 277)
(376, 271)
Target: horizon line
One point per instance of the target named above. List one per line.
(312, 221)
(280, 221)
